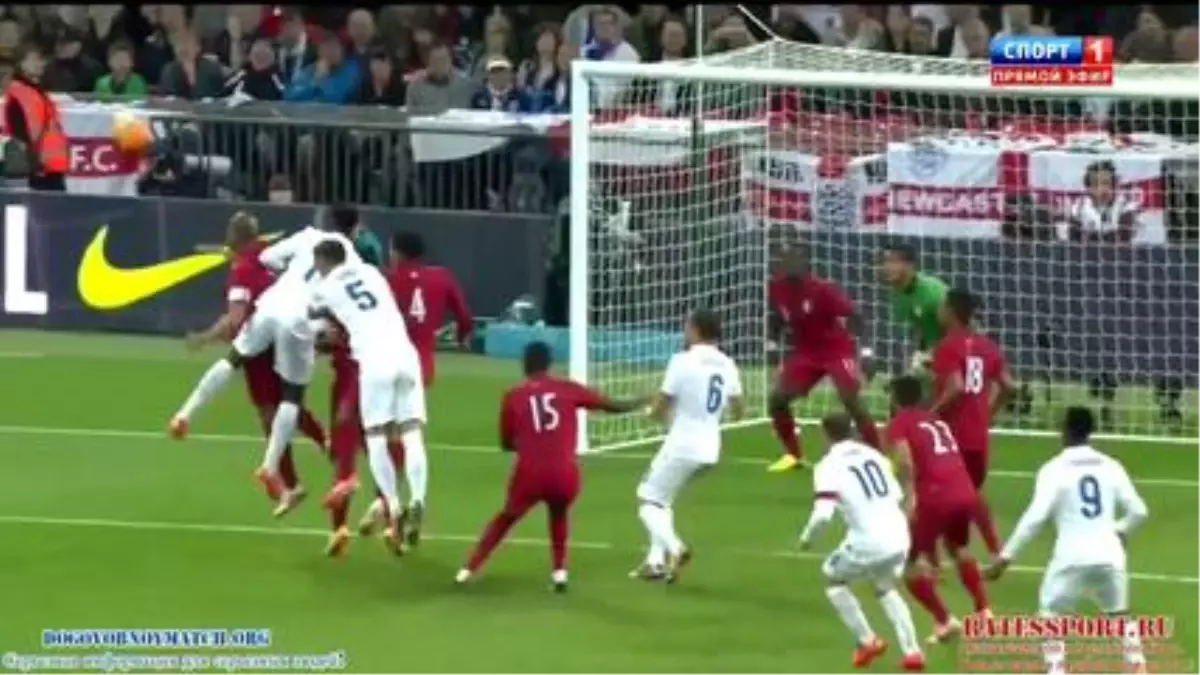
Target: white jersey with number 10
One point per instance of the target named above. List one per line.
(868, 496)
(358, 296)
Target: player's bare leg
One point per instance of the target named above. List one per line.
(901, 619)
(868, 645)
(923, 588)
(411, 435)
(207, 387)
(857, 409)
(779, 405)
(384, 473)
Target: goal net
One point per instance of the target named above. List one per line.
(1071, 212)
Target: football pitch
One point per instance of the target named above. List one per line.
(106, 523)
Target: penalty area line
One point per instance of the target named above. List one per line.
(218, 528)
(18, 430)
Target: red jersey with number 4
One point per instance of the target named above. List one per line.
(980, 363)
(248, 277)
(939, 475)
(815, 311)
(539, 420)
(424, 293)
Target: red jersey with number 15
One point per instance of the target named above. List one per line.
(424, 293)
(815, 311)
(539, 420)
(980, 363)
(940, 478)
(248, 277)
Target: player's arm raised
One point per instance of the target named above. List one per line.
(825, 499)
(277, 255)
(1045, 493)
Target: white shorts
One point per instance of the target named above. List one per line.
(666, 476)
(849, 563)
(1063, 588)
(396, 398)
(294, 341)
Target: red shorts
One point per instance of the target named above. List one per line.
(977, 466)
(555, 487)
(262, 382)
(949, 524)
(801, 372)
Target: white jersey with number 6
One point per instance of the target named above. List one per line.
(700, 381)
(863, 484)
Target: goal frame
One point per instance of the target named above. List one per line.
(582, 71)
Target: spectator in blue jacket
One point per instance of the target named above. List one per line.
(500, 93)
(331, 79)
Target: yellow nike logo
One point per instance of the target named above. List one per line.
(105, 286)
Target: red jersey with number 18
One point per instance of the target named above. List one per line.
(424, 293)
(980, 363)
(539, 420)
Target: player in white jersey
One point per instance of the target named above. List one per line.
(701, 382)
(391, 389)
(280, 321)
(856, 480)
(1081, 490)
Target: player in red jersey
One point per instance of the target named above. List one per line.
(971, 381)
(942, 503)
(248, 278)
(538, 421)
(821, 322)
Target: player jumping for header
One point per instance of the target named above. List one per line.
(822, 323)
(916, 298)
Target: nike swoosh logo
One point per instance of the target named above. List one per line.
(105, 286)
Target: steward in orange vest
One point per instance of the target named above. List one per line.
(31, 117)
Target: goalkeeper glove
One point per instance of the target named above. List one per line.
(919, 362)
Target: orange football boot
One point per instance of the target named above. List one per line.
(339, 540)
(913, 663)
(270, 483)
(177, 428)
(865, 654)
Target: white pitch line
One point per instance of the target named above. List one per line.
(17, 430)
(215, 528)
(21, 355)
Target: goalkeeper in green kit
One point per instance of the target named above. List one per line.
(916, 298)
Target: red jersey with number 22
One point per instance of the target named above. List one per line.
(979, 362)
(815, 311)
(424, 293)
(940, 478)
(539, 420)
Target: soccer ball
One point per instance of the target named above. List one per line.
(132, 135)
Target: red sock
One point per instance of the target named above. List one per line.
(987, 527)
(972, 580)
(925, 593)
(311, 428)
(396, 450)
(343, 450)
(559, 531)
(492, 536)
(785, 431)
(287, 469)
(868, 430)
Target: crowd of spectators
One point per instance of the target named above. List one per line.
(513, 58)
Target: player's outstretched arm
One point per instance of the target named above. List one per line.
(222, 328)
(661, 406)
(824, 508)
(614, 407)
(1004, 388)
(1035, 516)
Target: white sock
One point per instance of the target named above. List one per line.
(850, 612)
(462, 575)
(657, 555)
(559, 576)
(211, 383)
(283, 429)
(383, 471)
(1132, 644)
(671, 540)
(659, 524)
(1054, 652)
(901, 618)
(416, 464)
(374, 511)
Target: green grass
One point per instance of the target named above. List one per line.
(87, 523)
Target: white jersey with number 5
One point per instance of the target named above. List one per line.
(1091, 499)
(868, 496)
(358, 296)
(700, 381)
(293, 258)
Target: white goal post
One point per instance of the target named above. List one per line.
(996, 188)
